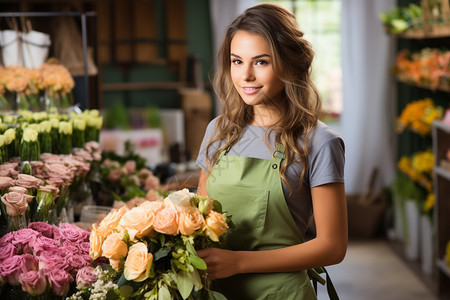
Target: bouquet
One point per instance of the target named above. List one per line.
(151, 248)
(44, 261)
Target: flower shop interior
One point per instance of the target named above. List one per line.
(104, 104)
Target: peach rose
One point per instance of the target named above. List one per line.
(138, 263)
(153, 206)
(16, 203)
(190, 220)
(216, 225)
(96, 240)
(153, 195)
(116, 264)
(114, 175)
(111, 221)
(138, 222)
(179, 200)
(5, 182)
(114, 247)
(166, 221)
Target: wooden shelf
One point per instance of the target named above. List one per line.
(441, 87)
(434, 32)
(134, 86)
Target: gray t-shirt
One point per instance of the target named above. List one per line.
(325, 163)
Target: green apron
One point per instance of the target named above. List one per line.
(250, 190)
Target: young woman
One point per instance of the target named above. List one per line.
(271, 163)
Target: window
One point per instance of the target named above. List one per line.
(320, 20)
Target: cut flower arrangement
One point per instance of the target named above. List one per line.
(44, 261)
(151, 249)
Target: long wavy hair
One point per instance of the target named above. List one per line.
(299, 106)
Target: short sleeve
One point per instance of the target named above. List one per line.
(326, 162)
(201, 158)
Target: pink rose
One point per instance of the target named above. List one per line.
(10, 269)
(7, 250)
(73, 233)
(166, 221)
(114, 175)
(24, 238)
(16, 203)
(5, 182)
(130, 167)
(151, 182)
(86, 277)
(15, 265)
(7, 238)
(18, 189)
(153, 195)
(92, 146)
(33, 282)
(52, 259)
(42, 243)
(57, 234)
(84, 247)
(59, 281)
(44, 228)
(76, 262)
(28, 181)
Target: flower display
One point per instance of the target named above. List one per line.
(44, 260)
(419, 116)
(429, 67)
(151, 248)
(419, 168)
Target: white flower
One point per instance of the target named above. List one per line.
(179, 200)
(65, 127)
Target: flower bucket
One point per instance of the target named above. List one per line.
(426, 251)
(10, 44)
(35, 46)
(412, 230)
(399, 218)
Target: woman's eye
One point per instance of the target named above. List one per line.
(236, 62)
(261, 62)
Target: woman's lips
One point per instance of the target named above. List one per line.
(250, 90)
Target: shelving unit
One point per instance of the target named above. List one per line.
(441, 144)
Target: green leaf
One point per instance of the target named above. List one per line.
(126, 291)
(184, 284)
(217, 206)
(217, 296)
(190, 248)
(162, 239)
(111, 295)
(161, 253)
(195, 277)
(197, 262)
(164, 294)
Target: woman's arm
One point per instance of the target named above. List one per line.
(327, 248)
(201, 189)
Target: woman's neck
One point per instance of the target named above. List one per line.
(264, 116)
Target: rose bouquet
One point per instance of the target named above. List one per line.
(151, 248)
(44, 261)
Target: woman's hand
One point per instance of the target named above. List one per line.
(221, 263)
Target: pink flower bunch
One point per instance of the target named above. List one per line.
(120, 177)
(45, 257)
(9, 169)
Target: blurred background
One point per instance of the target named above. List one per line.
(383, 72)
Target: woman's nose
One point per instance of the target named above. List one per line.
(248, 74)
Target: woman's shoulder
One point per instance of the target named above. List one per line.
(323, 132)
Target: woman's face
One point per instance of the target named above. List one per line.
(252, 70)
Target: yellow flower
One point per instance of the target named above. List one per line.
(65, 127)
(79, 124)
(2, 140)
(30, 135)
(45, 126)
(429, 203)
(10, 135)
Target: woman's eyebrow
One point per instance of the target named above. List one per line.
(255, 57)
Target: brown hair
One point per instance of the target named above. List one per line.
(292, 59)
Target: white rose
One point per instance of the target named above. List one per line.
(179, 200)
(79, 124)
(65, 127)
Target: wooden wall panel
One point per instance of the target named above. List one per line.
(144, 29)
(123, 31)
(176, 34)
(104, 31)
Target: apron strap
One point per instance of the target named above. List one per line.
(315, 277)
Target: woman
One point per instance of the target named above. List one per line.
(271, 163)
